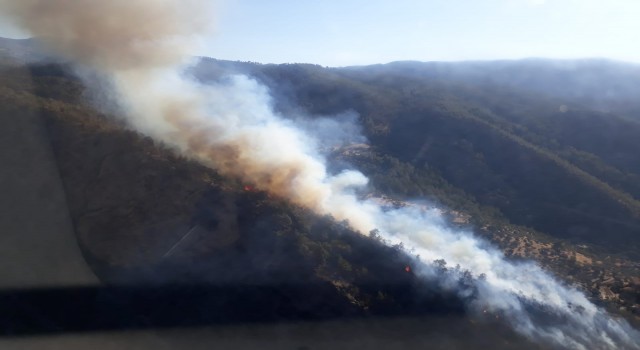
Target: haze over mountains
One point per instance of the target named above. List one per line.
(541, 144)
(551, 144)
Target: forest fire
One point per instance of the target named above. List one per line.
(232, 127)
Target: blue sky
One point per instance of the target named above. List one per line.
(353, 32)
(348, 32)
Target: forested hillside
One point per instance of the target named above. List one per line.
(549, 146)
(508, 134)
(543, 175)
(147, 218)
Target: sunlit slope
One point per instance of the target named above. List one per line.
(545, 160)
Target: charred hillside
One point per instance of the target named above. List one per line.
(168, 236)
(545, 159)
(144, 215)
(136, 206)
(543, 174)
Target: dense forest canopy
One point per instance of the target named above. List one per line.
(550, 144)
(502, 147)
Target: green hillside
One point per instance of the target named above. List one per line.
(544, 161)
(514, 171)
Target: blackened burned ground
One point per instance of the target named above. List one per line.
(176, 231)
(186, 247)
(165, 229)
(543, 167)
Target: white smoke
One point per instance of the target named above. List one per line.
(141, 45)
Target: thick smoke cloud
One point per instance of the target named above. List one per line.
(141, 47)
(115, 34)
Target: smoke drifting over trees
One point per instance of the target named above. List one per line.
(141, 48)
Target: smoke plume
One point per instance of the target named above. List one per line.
(141, 46)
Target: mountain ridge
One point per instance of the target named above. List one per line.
(90, 146)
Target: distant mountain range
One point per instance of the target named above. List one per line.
(538, 156)
(551, 144)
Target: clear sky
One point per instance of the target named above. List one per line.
(347, 32)
(352, 32)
